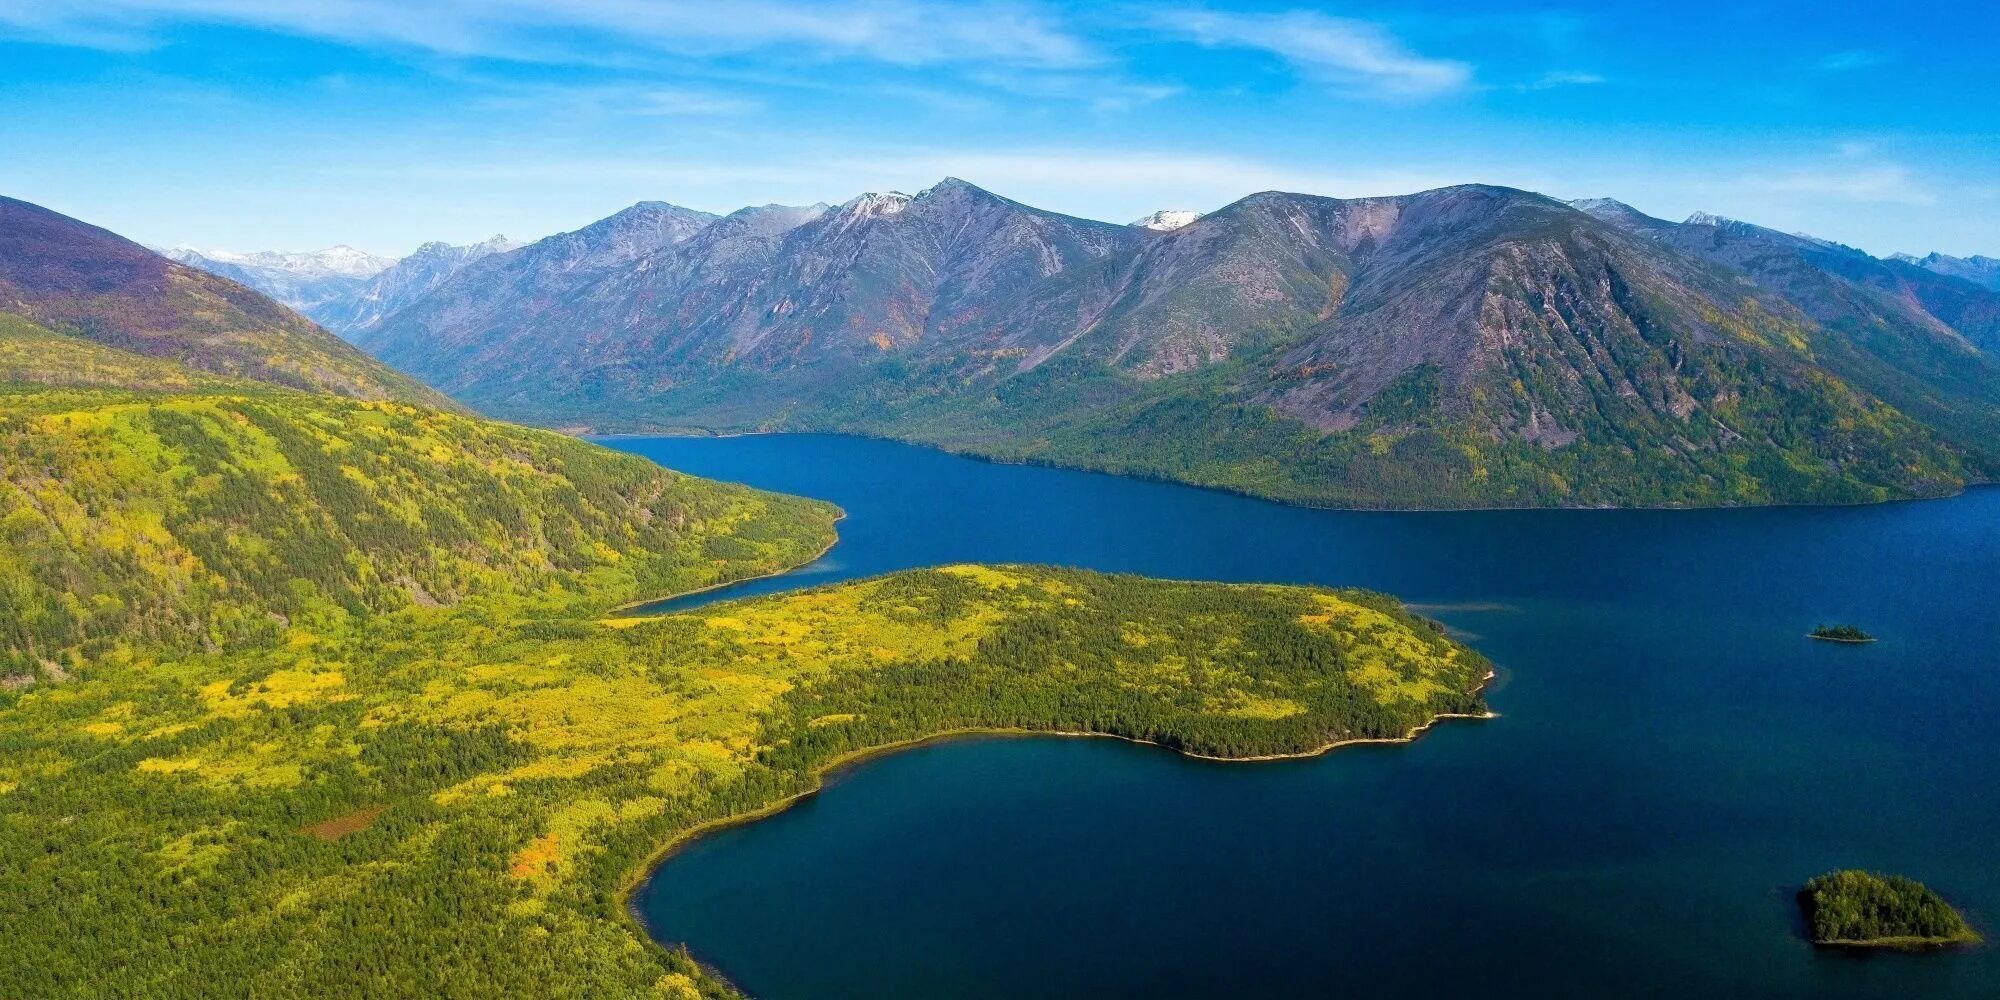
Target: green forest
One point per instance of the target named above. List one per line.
(1859, 908)
(313, 696)
(1841, 633)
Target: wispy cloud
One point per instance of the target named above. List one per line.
(1853, 59)
(1553, 80)
(1356, 55)
(1854, 174)
(614, 100)
(1102, 92)
(903, 32)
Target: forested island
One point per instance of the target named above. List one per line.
(316, 695)
(1859, 909)
(1840, 633)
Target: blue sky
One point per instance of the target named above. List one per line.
(295, 124)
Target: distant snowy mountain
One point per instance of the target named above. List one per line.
(304, 280)
(402, 283)
(340, 288)
(338, 260)
(1167, 220)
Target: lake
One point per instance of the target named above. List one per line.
(1672, 759)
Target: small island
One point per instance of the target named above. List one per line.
(1840, 633)
(1858, 909)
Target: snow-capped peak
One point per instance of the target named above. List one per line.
(1167, 220)
(1600, 205)
(342, 259)
(875, 205)
(1707, 219)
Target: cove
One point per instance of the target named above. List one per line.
(1673, 758)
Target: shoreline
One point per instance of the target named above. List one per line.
(1901, 943)
(855, 758)
(595, 436)
(620, 610)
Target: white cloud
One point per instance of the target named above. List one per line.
(905, 32)
(1890, 184)
(1357, 55)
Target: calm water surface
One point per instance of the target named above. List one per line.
(1672, 760)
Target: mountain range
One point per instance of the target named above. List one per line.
(1980, 270)
(1467, 346)
(341, 288)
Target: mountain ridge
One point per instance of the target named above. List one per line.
(1514, 348)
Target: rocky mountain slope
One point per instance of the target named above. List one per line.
(1467, 346)
(401, 284)
(518, 288)
(1978, 269)
(73, 278)
(1922, 341)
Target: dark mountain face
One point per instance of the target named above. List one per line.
(1467, 346)
(1924, 342)
(75, 278)
(887, 271)
(473, 312)
(766, 290)
(1833, 283)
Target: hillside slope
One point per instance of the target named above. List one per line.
(213, 520)
(74, 278)
(1923, 342)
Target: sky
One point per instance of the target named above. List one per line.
(382, 124)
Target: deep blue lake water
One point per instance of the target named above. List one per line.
(1673, 758)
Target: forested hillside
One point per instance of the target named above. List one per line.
(452, 803)
(213, 517)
